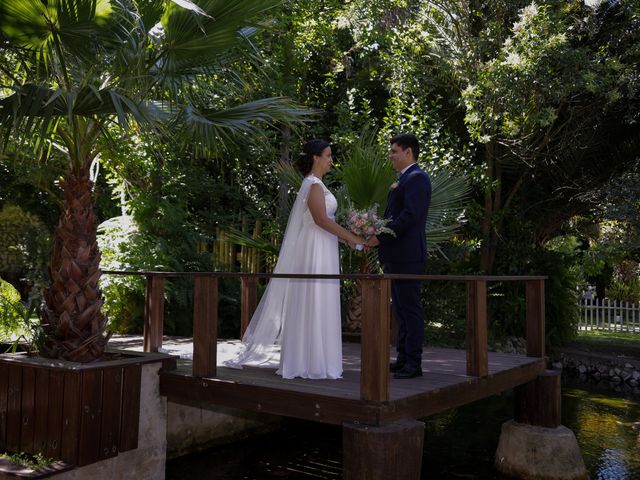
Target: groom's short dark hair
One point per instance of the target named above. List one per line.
(407, 140)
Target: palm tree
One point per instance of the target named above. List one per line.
(84, 64)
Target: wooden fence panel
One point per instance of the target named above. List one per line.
(27, 404)
(41, 407)
(91, 417)
(111, 405)
(55, 414)
(70, 417)
(609, 315)
(13, 408)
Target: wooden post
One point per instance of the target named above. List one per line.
(384, 452)
(248, 301)
(535, 318)
(539, 402)
(374, 372)
(153, 313)
(205, 326)
(477, 357)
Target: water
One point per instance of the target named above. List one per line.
(459, 444)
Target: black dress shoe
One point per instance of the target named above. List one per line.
(396, 366)
(408, 373)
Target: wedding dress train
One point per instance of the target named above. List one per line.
(301, 316)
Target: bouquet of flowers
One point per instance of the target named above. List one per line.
(366, 223)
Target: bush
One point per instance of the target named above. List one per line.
(24, 248)
(18, 323)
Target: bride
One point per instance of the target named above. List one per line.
(303, 315)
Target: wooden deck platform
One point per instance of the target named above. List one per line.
(366, 394)
(444, 385)
(377, 413)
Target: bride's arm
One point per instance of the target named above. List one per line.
(318, 211)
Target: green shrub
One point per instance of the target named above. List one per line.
(24, 246)
(18, 323)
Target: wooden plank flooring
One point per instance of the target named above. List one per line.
(444, 385)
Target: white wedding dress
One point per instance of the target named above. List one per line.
(301, 316)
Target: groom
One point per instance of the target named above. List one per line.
(406, 252)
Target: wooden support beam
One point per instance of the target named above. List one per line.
(539, 402)
(382, 452)
(374, 375)
(153, 313)
(248, 301)
(535, 318)
(205, 326)
(477, 359)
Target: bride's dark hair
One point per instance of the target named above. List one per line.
(309, 149)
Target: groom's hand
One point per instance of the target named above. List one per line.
(372, 242)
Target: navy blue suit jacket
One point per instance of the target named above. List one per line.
(407, 207)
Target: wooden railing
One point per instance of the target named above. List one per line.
(375, 340)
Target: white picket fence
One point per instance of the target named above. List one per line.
(610, 315)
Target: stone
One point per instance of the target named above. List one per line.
(557, 365)
(529, 452)
(633, 383)
(582, 369)
(615, 379)
(636, 375)
(628, 366)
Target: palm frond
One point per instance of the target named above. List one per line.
(366, 172)
(74, 25)
(449, 198)
(33, 108)
(193, 40)
(210, 126)
(449, 193)
(246, 240)
(290, 174)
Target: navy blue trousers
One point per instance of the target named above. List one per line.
(408, 312)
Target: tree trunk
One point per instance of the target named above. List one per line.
(283, 192)
(73, 324)
(354, 310)
(491, 206)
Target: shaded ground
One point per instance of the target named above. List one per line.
(610, 343)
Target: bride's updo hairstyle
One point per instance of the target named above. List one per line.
(313, 147)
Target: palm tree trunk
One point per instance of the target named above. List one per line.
(73, 324)
(354, 310)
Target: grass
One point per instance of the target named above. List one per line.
(34, 462)
(622, 343)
